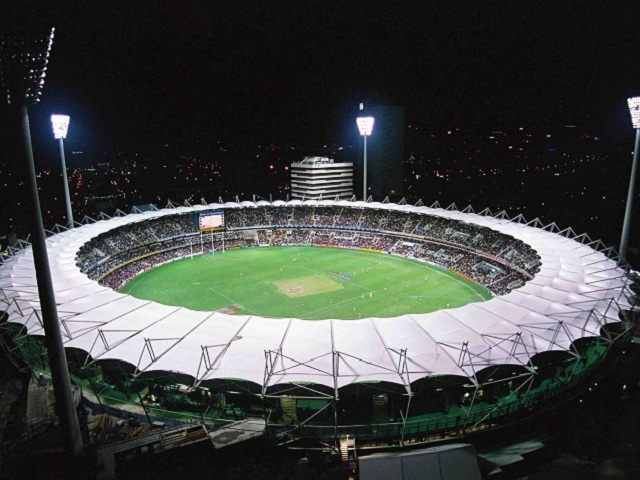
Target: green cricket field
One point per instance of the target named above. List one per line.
(310, 283)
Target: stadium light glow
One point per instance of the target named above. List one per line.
(60, 124)
(634, 110)
(365, 125)
(23, 63)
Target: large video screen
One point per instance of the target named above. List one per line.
(211, 220)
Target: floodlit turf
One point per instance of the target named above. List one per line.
(305, 282)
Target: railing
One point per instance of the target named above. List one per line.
(441, 426)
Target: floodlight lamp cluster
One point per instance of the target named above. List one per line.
(60, 124)
(23, 65)
(365, 125)
(634, 109)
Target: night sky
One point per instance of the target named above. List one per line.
(144, 72)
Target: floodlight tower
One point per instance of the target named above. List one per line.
(60, 124)
(23, 62)
(365, 125)
(634, 109)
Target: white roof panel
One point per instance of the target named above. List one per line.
(575, 292)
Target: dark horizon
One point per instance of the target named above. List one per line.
(164, 77)
(169, 71)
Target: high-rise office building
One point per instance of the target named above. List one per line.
(316, 178)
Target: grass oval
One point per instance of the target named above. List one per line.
(311, 283)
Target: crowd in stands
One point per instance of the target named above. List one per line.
(117, 278)
(134, 235)
(495, 260)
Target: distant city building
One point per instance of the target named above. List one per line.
(316, 178)
(385, 153)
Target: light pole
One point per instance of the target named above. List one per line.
(365, 125)
(60, 124)
(23, 62)
(634, 109)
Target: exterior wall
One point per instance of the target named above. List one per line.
(321, 181)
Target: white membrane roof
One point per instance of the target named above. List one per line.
(576, 291)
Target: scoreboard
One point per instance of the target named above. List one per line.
(211, 220)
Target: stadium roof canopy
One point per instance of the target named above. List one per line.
(576, 292)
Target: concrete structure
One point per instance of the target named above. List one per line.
(316, 178)
(455, 461)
